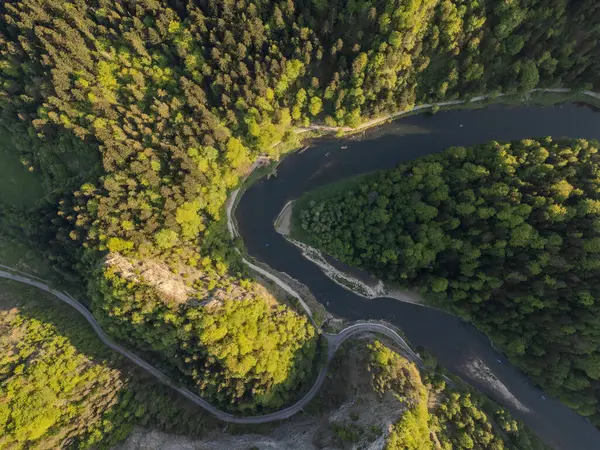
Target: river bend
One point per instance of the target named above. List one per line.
(457, 345)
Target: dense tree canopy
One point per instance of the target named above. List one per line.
(180, 96)
(505, 234)
(141, 115)
(242, 354)
(61, 388)
(454, 419)
(464, 421)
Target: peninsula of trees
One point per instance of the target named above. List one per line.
(506, 235)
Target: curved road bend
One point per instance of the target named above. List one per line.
(334, 341)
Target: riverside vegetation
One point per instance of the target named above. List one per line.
(506, 235)
(434, 414)
(139, 116)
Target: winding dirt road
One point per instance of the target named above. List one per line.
(334, 341)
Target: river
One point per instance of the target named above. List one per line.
(458, 346)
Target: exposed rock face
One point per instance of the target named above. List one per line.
(292, 436)
(184, 284)
(156, 274)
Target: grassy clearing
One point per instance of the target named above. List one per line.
(19, 188)
(22, 257)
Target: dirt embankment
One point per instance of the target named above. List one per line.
(283, 223)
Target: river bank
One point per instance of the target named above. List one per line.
(457, 345)
(361, 285)
(479, 101)
(535, 97)
(365, 286)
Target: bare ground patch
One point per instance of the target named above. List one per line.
(283, 223)
(478, 369)
(156, 274)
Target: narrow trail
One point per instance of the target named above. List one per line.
(334, 342)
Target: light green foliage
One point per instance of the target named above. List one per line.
(142, 116)
(393, 372)
(513, 245)
(291, 73)
(59, 384)
(236, 153)
(106, 79)
(242, 354)
(412, 431)
(458, 420)
(165, 239)
(462, 424)
(191, 222)
(118, 245)
(466, 421)
(316, 105)
(41, 370)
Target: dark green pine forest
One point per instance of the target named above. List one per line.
(506, 235)
(140, 116)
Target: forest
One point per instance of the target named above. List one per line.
(61, 388)
(506, 235)
(139, 116)
(374, 391)
(455, 419)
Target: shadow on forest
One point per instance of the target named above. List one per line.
(42, 307)
(139, 400)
